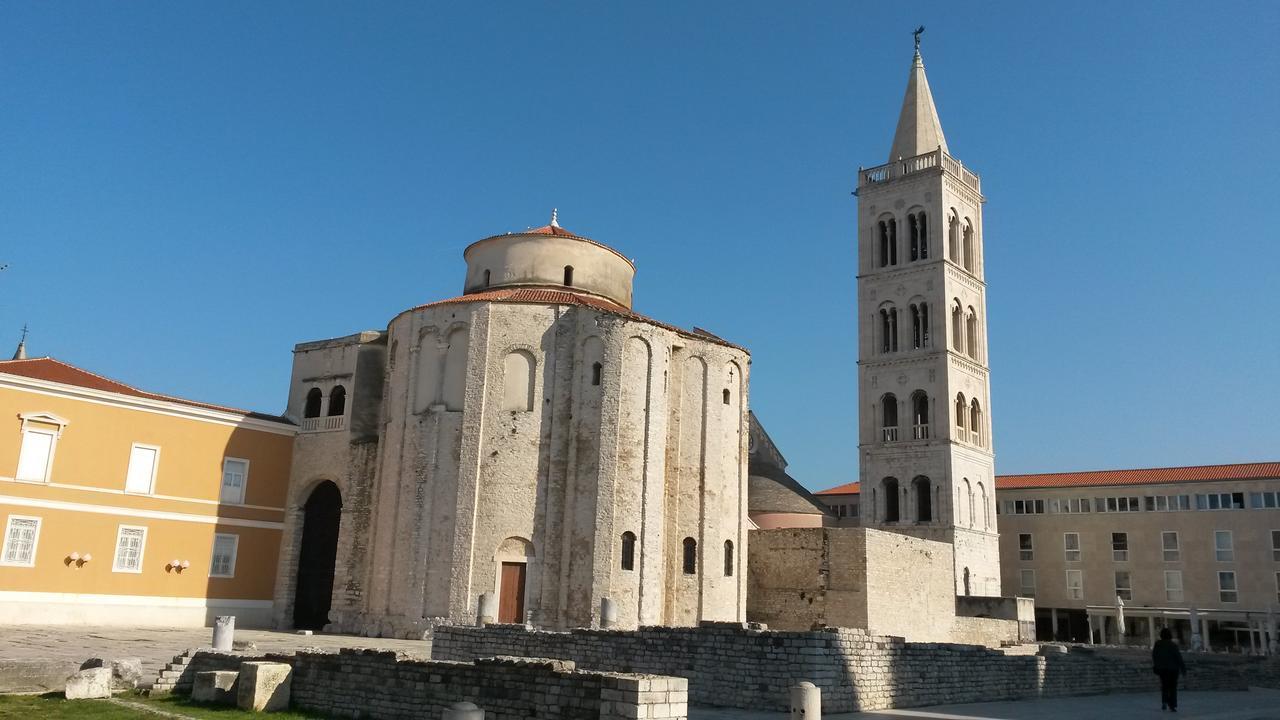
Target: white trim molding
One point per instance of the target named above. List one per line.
(131, 512)
(49, 608)
(115, 491)
(44, 418)
(161, 407)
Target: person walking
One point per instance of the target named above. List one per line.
(1166, 661)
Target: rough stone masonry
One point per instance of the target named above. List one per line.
(735, 665)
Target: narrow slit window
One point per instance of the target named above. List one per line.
(690, 556)
(628, 550)
(596, 371)
(728, 558)
(568, 275)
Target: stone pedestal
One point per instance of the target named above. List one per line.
(89, 683)
(215, 686)
(806, 701)
(608, 613)
(487, 612)
(264, 686)
(224, 631)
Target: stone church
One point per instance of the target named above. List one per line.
(533, 439)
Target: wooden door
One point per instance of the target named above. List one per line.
(511, 593)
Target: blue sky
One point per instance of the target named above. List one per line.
(188, 190)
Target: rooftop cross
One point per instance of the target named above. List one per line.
(554, 220)
(916, 34)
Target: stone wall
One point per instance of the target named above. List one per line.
(379, 685)
(884, 582)
(737, 666)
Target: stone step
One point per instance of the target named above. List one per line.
(181, 660)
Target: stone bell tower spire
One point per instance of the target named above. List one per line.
(21, 352)
(927, 467)
(919, 129)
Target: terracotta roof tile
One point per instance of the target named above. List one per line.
(1147, 476)
(547, 296)
(1113, 478)
(53, 370)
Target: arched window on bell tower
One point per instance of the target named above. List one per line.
(975, 422)
(953, 236)
(957, 326)
(920, 415)
(891, 498)
(888, 329)
(971, 333)
(962, 412)
(889, 417)
(968, 245)
(918, 230)
(888, 241)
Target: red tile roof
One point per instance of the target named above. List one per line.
(52, 370)
(1113, 478)
(546, 296)
(1147, 476)
(552, 230)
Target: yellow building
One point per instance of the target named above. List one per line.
(123, 507)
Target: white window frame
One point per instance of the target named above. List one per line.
(155, 469)
(142, 549)
(1023, 589)
(1066, 551)
(1231, 546)
(1028, 553)
(1128, 589)
(235, 553)
(244, 482)
(1077, 589)
(1120, 555)
(1177, 546)
(35, 542)
(1180, 590)
(54, 435)
(1235, 580)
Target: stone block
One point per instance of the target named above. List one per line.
(89, 683)
(126, 672)
(264, 686)
(215, 686)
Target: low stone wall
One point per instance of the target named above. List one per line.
(735, 666)
(381, 685)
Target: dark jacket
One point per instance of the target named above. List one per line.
(1165, 657)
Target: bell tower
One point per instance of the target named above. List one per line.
(926, 461)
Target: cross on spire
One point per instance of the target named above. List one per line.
(21, 352)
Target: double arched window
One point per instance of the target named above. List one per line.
(888, 236)
(889, 418)
(975, 422)
(918, 227)
(888, 329)
(919, 325)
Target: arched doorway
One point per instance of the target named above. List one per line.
(314, 589)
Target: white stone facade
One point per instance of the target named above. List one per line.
(532, 423)
(927, 465)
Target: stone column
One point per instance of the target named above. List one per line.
(1151, 629)
(1053, 623)
(806, 701)
(1089, 618)
(224, 630)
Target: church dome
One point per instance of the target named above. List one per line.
(549, 257)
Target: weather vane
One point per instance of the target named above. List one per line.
(917, 36)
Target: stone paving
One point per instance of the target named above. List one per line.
(1255, 704)
(157, 646)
